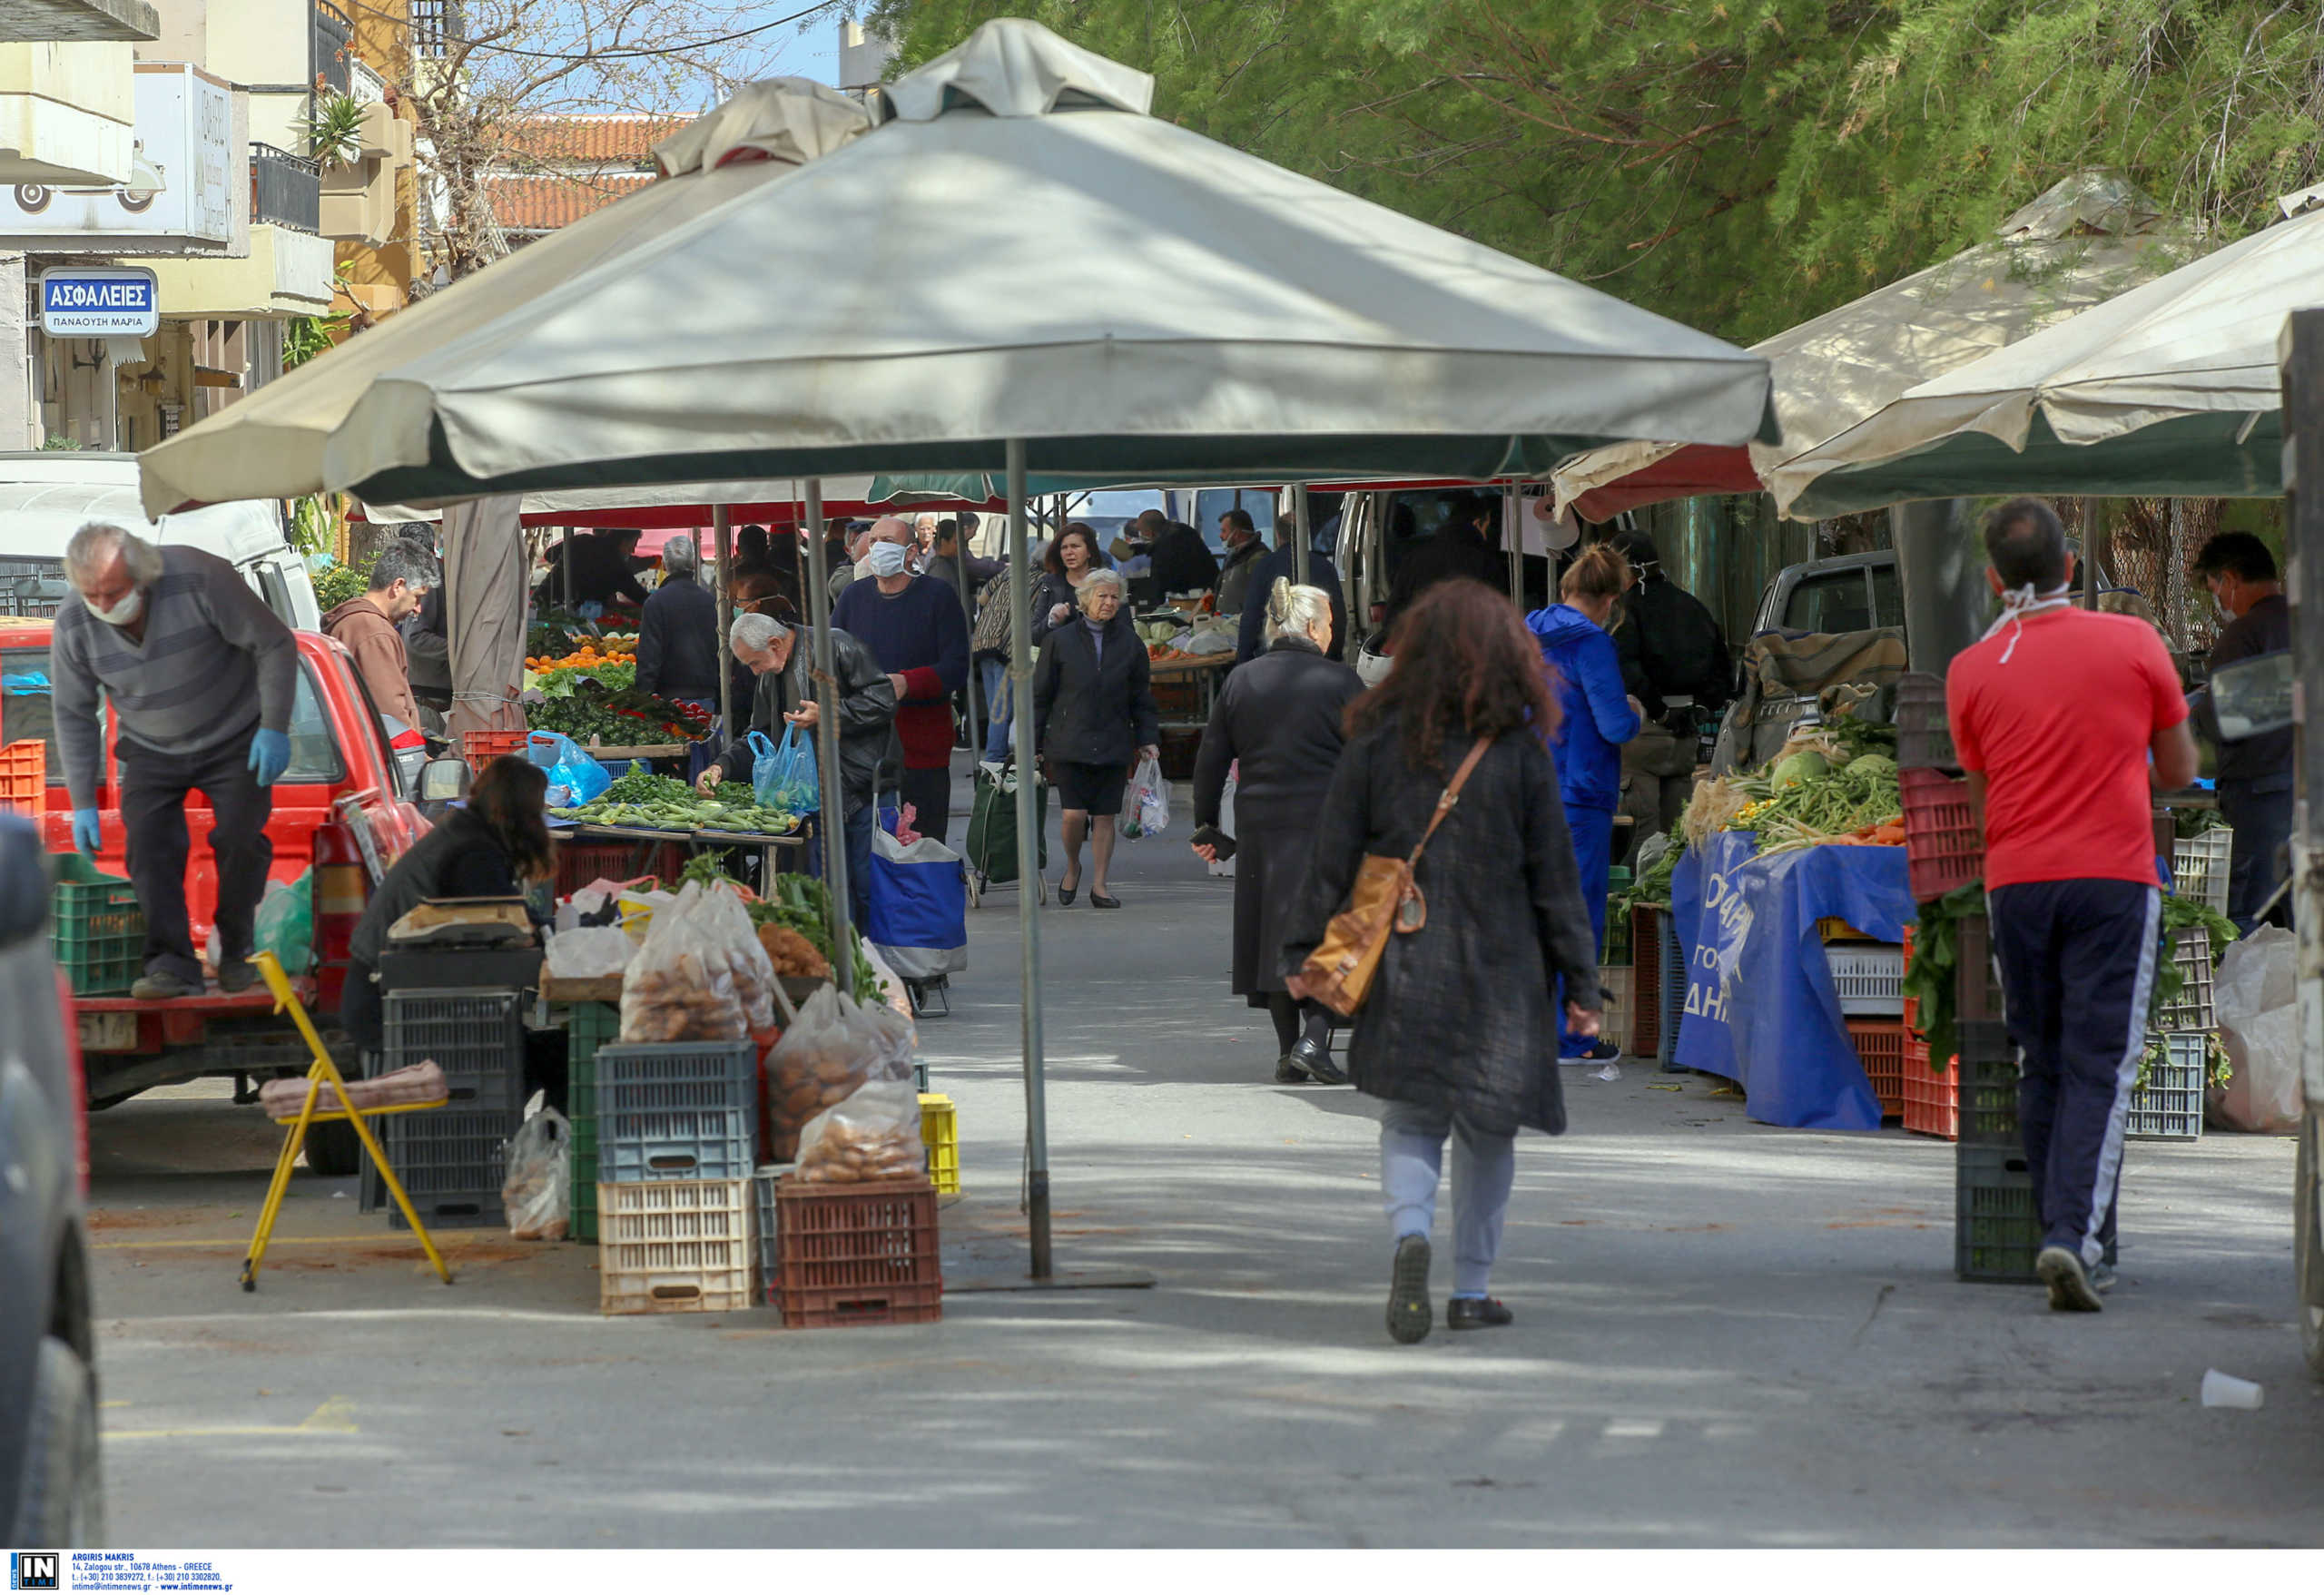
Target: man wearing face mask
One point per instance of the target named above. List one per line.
(2255, 775)
(199, 677)
(915, 629)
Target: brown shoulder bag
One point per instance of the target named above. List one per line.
(1386, 899)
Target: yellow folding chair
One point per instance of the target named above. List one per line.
(322, 1072)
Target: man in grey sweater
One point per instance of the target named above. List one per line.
(200, 678)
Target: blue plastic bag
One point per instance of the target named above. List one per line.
(785, 777)
(582, 777)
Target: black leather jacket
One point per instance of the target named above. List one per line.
(866, 710)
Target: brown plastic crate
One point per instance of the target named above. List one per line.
(858, 1255)
(1932, 1100)
(1879, 1046)
(1944, 848)
(1646, 983)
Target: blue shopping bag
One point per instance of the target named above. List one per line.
(582, 777)
(917, 900)
(785, 776)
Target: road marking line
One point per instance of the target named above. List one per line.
(335, 1416)
(443, 1243)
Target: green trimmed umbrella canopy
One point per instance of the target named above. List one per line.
(2169, 390)
(1132, 300)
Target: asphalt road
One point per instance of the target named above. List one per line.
(1727, 1334)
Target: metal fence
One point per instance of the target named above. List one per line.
(436, 23)
(286, 189)
(334, 34)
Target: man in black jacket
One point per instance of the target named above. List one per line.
(1183, 562)
(2255, 775)
(677, 638)
(1463, 546)
(1283, 564)
(1674, 663)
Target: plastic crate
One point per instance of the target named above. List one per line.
(679, 1245)
(2198, 867)
(587, 1026)
(1614, 994)
(24, 778)
(1646, 983)
(451, 1162)
(1880, 1047)
(1673, 996)
(475, 1038)
(767, 1229)
(580, 862)
(1932, 1097)
(2169, 1105)
(667, 1077)
(1869, 978)
(480, 748)
(2196, 1006)
(1616, 947)
(98, 931)
(859, 1254)
(687, 1144)
(940, 1133)
(1923, 741)
(1985, 1075)
(1997, 1233)
(1944, 848)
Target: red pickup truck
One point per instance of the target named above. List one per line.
(341, 766)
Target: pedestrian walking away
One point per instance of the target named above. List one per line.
(367, 627)
(1458, 1035)
(786, 696)
(1093, 716)
(915, 629)
(199, 678)
(1674, 663)
(1278, 723)
(2054, 715)
(2255, 774)
(1595, 718)
(677, 637)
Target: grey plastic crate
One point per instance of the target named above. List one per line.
(455, 1157)
(1989, 1078)
(2198, 867)
(2169, 1105)
(1997, 1233)
(664, 1077)
(475, 1038)
(1676, 972)
(2196, 1006)
(687, 1144)
(770, 1256)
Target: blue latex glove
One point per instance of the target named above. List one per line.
(270, 755)
(85, 834)
(591, 610)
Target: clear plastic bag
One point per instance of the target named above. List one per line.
(1148, 812)
(538, 1192)
(286, 923)
(2259, 1023)
(873, 1135)
(834, 1048)
(701, 974)
(589, 952)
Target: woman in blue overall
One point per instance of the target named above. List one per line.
(1597, 718)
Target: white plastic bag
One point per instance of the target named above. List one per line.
(538, 1192)
(835, 1048)
(2258, 1022)
(1227, 818)
(592, 952)
(1148, 812)
(701, 974)
(872, 1134)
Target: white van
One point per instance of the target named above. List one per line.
(45, 497)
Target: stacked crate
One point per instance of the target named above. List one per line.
(678, 1117)
(451, 1160)
(859, 1254)
(588, 1026)
(1647, 976)
(96, 930)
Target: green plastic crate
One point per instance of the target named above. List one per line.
(1995, 1231)
(590, 1025)
(99, 933)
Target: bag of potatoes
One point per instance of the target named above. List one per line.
(835, 1048)
(873, 1134)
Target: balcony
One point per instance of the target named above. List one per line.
(286, 274)
(436, 24)
(79, 21)
(286, 189)
(334, 34)
(359, 196)
(67, 115)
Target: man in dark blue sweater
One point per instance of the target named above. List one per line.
(914, 628)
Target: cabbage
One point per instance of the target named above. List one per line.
(1799, 769)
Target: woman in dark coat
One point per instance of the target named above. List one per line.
(1280, 715)
(1093, 717)
(1458, 1034)
(1070, 562)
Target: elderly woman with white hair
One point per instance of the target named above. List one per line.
(677, 639)
(1278, 724)
(1093, 717)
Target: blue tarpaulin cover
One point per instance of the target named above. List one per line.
(1761, 1009)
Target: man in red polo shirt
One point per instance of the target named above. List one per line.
(2054, 715)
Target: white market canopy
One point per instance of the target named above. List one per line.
(1131, 300)
(2080, 242)
(2169, 389)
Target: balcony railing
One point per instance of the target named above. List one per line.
(334, 36)
(286, 189)
(435, 24)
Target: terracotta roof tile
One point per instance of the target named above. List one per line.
(542, 204)
(618, 140)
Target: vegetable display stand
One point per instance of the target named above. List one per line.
(99, 932)
(675, 1246)
(1614, 993)
(1997, 1233)
(2198, 866)
(24, 778)
(852, 1255)
(480, 748)
(1944, 848)
(1879, 1046)
(2195, 1006)
(2169, 1104)
(939, 1134)
(1923, 741)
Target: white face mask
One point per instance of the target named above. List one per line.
(887, 558)
(125, 613)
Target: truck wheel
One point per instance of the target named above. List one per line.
(333, 1150)
(2308, 1243)
(63, 1488)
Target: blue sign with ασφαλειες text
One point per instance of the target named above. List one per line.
(99, 301)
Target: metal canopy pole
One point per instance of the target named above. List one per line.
(1306, 535)
(721, 520)
(1029, 866)
(832, 821)
(1512, 527)
(969, 613)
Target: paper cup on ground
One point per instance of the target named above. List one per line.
(2225, 1390)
